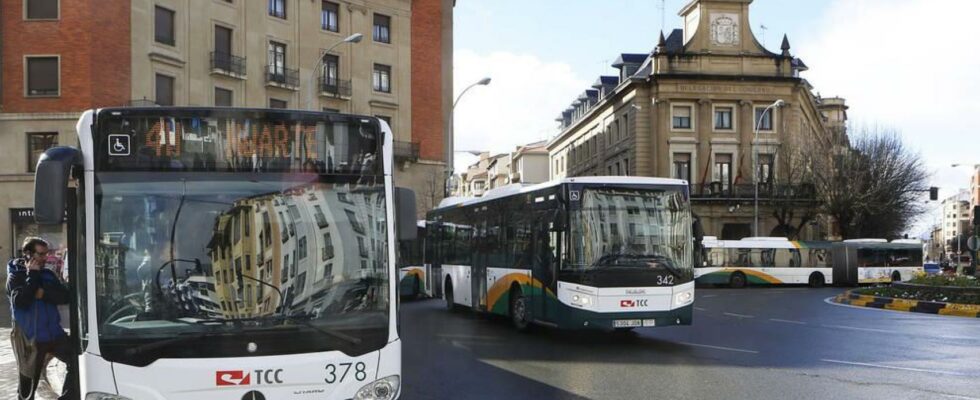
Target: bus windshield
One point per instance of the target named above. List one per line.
(632, 228)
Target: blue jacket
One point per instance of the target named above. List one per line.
(37, 318)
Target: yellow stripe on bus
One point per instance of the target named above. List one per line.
(502, 285)
(766, 277)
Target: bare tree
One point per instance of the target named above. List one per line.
(792, 197)
(871, 185)
(431, 191)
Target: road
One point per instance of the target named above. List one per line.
(759, 343)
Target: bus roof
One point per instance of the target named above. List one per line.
(518, 188)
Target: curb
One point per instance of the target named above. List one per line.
(919, 306)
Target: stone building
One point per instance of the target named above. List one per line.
(689, 109)
(955, 221)
(59, 58)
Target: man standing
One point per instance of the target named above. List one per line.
(35, 293)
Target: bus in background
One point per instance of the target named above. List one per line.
(765, 261)
(230, 253)
(590, 252)
(869, 261)
(413, 276)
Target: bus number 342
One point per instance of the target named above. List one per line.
(338, 372)
(665, 280)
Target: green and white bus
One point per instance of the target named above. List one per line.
(590, 252)
(765, 261)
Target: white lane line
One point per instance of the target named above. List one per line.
(708, 296)
(861, 364)
(708, 346)
(854, 328)
(700, 309)
(738, 315)
(787, 321)
(956, 396)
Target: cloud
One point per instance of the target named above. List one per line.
(518, 107)
(908, 64)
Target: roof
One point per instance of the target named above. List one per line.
(675, 42)
(517, 188)
(606, 81)
(629, 58)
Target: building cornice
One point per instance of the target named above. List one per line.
(69, 116)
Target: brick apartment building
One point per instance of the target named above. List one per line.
(59, 58)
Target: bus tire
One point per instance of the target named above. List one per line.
(448, 295)
(737, 280)
(519, 310)
(896, 276)
(816, 280)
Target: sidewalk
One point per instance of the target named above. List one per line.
(8, 377)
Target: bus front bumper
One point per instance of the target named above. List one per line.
(582, 319)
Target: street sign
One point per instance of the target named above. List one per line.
(973, 244)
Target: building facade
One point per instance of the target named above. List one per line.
(690, 109)
(62, 57)
(956, 221)
(529, 163)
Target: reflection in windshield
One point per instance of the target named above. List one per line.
(181, 254)
(632, 227)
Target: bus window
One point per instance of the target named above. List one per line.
(787, 258)
(716, 258)
(742, 257)
(766, 257)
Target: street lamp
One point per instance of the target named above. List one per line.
(355, 38)
(755, 159)
(452, 141)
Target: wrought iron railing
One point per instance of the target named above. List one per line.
(406, 150)
(282, 76)
(225, 62)
(335, 87)
(718, 190)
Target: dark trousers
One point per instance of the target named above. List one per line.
(61, 350)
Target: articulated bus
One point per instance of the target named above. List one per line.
(580, 253)
(870, 261)
(222, 253)
(765, 261)
(413, 271)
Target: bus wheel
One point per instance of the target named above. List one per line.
(519, 312)
(816, 280)
(448, 295)
(737, 280)
(896, 276)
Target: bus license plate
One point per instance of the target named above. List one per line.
(649, 322)
(627, 323)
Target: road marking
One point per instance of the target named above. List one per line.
(708, 346)
(738, 315)
(956, 396)
(708, 296)
(861, 364)
(787, 321)
(854, 328)
(700, 309)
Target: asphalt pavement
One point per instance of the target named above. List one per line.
(757, 343)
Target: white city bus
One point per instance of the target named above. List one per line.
(765, 261)
(873, 261)
(221, 253)
(413, 272)
(577, 253)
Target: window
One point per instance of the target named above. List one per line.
(163, 26)
(223, 97)
(321, 218)
(302, 248)
(42, 9)
(222, 42)
(682, 117)
(382, 78)
(276, 103)
(354, 223)
(361, 247)
(330, 16)
(682, 166)
(723, 118)
(382, 28)
(37, 143)
(42, 76)
(277, 8)
(763, 119)
(326, 252)
(164, 90)
(723, 170)
(277, 61)
(331, 70)
(626, 166)
(766, 168)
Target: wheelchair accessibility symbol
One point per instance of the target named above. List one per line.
(574, 195)
(118, 145)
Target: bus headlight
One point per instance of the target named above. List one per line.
(582, 300)
(382, 389)
(104, 396)
(684, 298)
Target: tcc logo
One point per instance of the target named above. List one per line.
(232, 378)
(633, 303)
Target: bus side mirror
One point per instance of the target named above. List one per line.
(405, 225)
(51, 183)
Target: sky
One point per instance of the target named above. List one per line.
(907, 65)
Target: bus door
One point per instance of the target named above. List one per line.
(544, 267)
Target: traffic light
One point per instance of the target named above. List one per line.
(933, 193)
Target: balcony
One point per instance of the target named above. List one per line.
(228, 65)
(406, 151)
(718, 191)
(284, 78)
(333, 87)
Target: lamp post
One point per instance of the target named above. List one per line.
(355, 38)
(450, 149)
(755, 159)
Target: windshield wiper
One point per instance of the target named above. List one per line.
(302, 319)
(181, 337)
